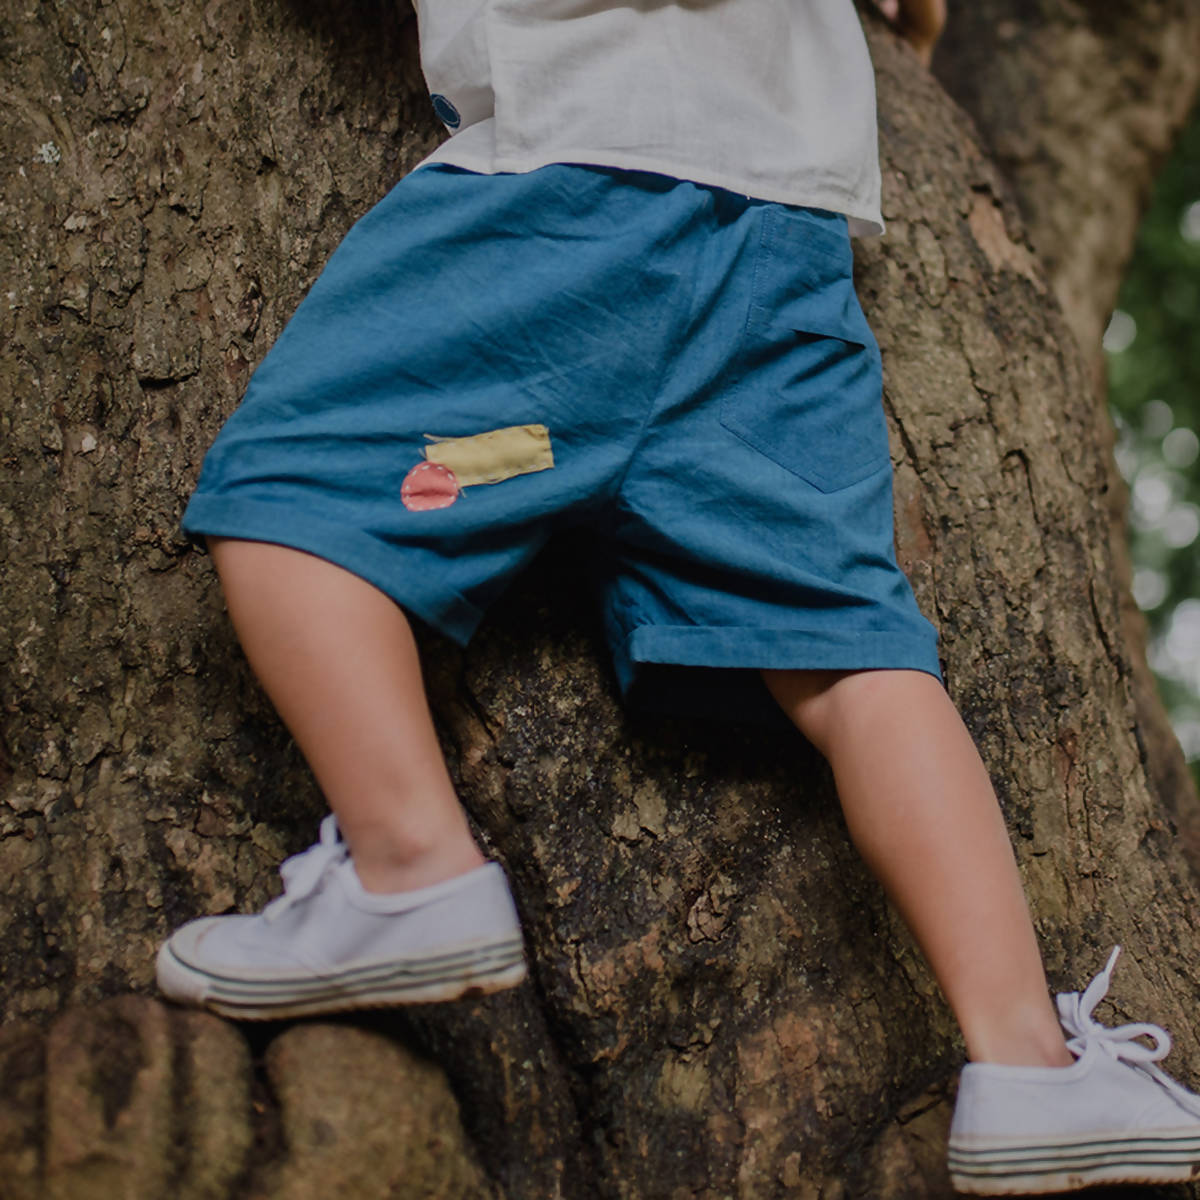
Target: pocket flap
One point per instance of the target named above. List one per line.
(804, 278)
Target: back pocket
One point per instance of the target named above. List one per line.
(808, 394)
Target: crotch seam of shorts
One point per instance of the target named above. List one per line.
(656, 392)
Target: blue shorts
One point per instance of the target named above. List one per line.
(681, 372)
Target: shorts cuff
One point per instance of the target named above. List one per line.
(782, 649)
(345, 546)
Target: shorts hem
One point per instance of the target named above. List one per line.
(782, 649)
(343, 545)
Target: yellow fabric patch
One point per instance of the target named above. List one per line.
(495, 455)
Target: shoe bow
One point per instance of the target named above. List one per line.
(303, 872)
(1120, 1042)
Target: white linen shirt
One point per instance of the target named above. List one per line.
(773, 99)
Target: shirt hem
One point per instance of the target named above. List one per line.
(862, 220)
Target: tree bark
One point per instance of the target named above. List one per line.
(1115, 84)
(721, 1003)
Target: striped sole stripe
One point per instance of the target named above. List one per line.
(1183, 1138)
(1050, 1165)
(437, 969)
(425, 962)
(1189, 1144)
(1068, 1180)
(398, 982)
(258, 1009)
(1176, 1156)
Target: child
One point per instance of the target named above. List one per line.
(620, 298)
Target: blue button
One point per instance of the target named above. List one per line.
(446, 111)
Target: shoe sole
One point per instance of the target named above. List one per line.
(478, 970)
(1024, 1169)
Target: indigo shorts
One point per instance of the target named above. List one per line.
(682, 372)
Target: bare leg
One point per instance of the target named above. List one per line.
(338, 660)
(921, 810)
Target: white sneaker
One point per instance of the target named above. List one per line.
(1112, 1116)
(327, 944)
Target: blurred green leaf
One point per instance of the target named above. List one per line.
(1154, 389)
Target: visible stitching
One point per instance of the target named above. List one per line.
(494, 455)
(428, 502)
(766, 250)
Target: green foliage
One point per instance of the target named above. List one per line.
(1154, 381)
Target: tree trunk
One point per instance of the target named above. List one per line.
(721, 1003)
(1115, 84)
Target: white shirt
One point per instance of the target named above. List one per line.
(770, 98)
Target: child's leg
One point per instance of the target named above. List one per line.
(400, 909)
(337, 658)
(921, 810)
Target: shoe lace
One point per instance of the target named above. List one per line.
(303, 872)
(1120, 1042)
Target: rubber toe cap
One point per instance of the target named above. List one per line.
(176, 980)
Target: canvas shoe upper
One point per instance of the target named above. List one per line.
(1113, 1116)
(328, 944)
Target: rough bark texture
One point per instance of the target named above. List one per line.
(721, 1003)
(1115, 83)
(132, 1099)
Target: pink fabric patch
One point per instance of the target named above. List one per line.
(429, 485)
